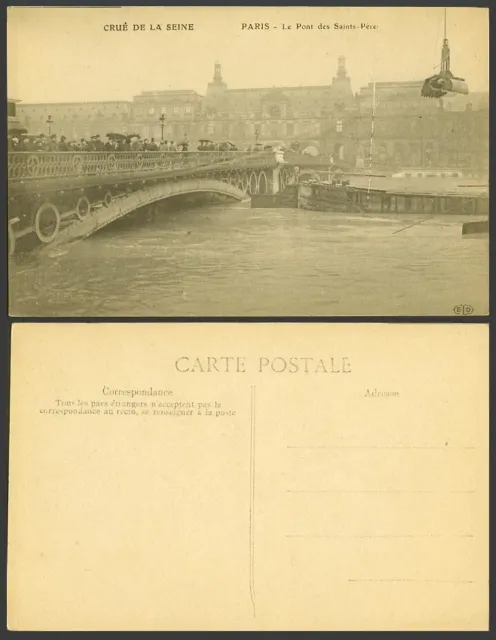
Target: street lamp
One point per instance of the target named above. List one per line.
(162, 125)
(256, 136)
(49, 122)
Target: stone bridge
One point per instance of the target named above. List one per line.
(62, 196)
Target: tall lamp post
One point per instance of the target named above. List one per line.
(256, 135)
(49, 122)
(162, 125)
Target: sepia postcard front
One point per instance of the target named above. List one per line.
(248, 477)
(248, 161)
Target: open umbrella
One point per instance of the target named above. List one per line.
(311, 151)
(116, 136)
(17, 131)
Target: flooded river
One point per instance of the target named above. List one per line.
(230, 260)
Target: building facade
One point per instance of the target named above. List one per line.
(13, 120)
(411, 131)
(312, 115)
(308, 114)
(407, 130)
(176, 114)
(76, 120)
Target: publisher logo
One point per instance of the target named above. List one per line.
(463, 310)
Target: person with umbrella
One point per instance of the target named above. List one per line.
(97, 143)
(27, 145)
(63, 146)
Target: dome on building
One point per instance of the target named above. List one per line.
(275, 96)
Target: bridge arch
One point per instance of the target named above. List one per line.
(263, 183)
(118, 208)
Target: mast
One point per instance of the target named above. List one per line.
(445, 52)
(371, 138)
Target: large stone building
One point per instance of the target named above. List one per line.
(177, 113)
(411, 131)
(76, 120)
(245, 116)
(408, 130)
(13, 120)
(310, 114)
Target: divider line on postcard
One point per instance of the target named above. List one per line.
(252, 496)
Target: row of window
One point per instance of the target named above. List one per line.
(273, 111)
(54, 109)
(164, 110)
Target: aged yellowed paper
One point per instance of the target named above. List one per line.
(248, 161)
(248, 476)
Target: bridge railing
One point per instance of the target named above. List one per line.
(38, 164)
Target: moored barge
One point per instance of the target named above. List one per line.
(341, 196)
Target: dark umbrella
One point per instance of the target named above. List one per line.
(116, 136)
(17, 132)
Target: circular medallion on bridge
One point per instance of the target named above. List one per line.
(83, 208)
(33, 165)
(139, 161)
(47, 222)
(111, 162)
(108, 199)
(163, 159)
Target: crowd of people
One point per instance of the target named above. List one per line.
(22, 142)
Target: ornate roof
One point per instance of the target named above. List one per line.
(275, 96)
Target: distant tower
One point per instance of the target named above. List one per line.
(215, 99)
(341, 67)
(341, 84)
(217, 72)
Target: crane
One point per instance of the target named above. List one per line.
(444, 82)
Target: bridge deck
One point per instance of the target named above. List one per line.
(39, 171)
